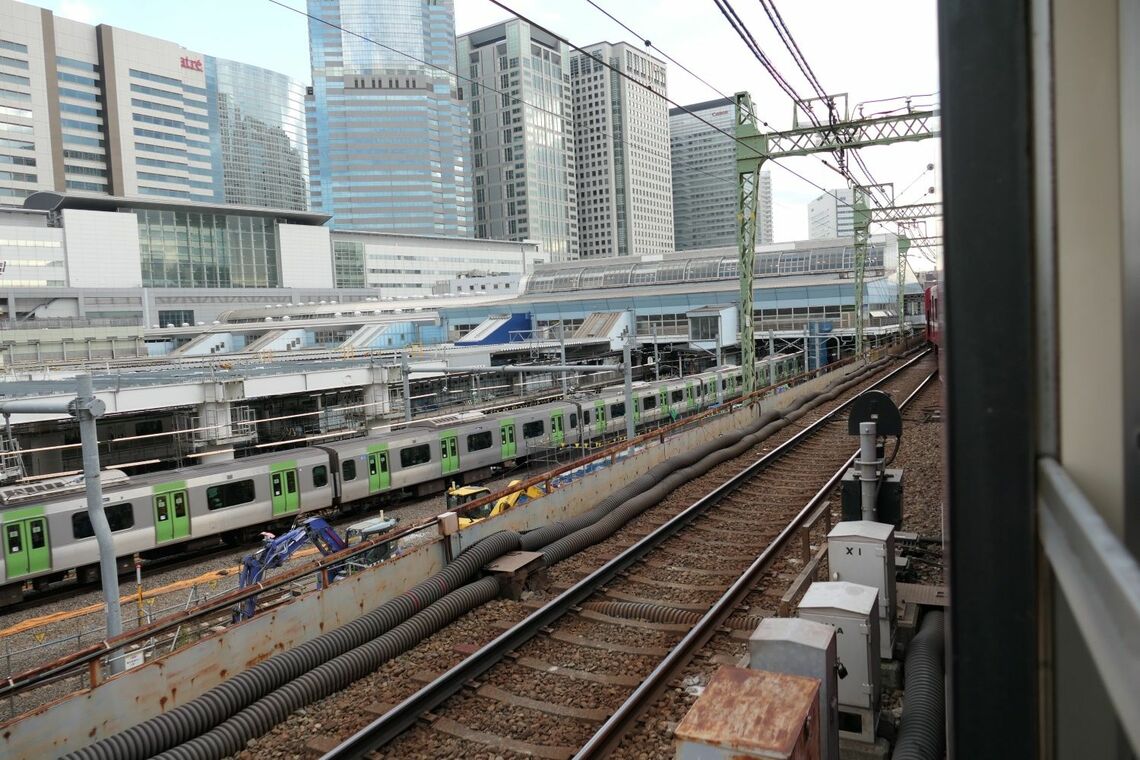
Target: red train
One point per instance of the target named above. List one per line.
(933, 302)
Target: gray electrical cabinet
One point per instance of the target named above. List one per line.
(853, 611)
(863, 552)
(802, 648)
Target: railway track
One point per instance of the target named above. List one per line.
(574, 676)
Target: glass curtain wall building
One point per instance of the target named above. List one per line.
(389, 137)
(101, 110)
(522, 138)
(705, 179)
(257, 119)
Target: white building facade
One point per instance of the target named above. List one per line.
(832, 215)
(392, 265)
(101, 110)
(621, 137)
(522, 144)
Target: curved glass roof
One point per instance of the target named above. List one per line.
(591, 276)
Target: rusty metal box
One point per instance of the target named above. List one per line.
(752, 714)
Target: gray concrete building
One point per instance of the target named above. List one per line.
(101, 110)
(621, 138)
(704, 178)
(522, 140)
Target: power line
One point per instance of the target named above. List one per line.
(665, 55)
(666, 98)
(429, 64)
(518, 100)
(741, 29)
(793, 48)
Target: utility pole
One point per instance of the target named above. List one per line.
(627, 360)
(562, 352)
(656, 352)
(754, 148)
(407, 387)
(86, 408)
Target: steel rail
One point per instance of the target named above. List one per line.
(607, 738)
(404, 715)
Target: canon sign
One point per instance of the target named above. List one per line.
(192, 64)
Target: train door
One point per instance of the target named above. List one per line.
(26, 546)
(600, 417)
(285, 495)
(663, 401)
(691, 396)
(507, 436)
(762, 375)
(557, 429)
(379, 472)
(171, 512)
(449, 452)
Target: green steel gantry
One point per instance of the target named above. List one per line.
(864, 217)
(754, 148)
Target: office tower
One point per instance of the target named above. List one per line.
(389, 132)
(621, 138)
(98, 109)
(522, 136)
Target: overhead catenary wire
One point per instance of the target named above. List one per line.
(629, 29)
(516, 99)
(667, 99)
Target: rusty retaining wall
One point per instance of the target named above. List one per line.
(169, 680)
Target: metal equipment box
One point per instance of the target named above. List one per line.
(752, 714)
(890, 501)
(863, 552)
(802, 647)
(853, 610)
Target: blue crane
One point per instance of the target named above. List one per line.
(276, 551)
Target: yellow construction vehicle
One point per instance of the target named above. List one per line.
(457, 496)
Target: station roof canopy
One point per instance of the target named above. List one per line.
(53, 201)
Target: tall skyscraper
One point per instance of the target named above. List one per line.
(621, 138)
(97, 109)
(831, 215)
(522, 142)
(705, 180)
(389, 138)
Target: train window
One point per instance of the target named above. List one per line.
(533, 429)
(348, 470)
(414, 455)
(320, 476)
(677, 395)
(586, 417)
(649, 402)
(479, 441)
(120, 517)
(148, 427)
(230, 494)
(617, 410)
(573, 420)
